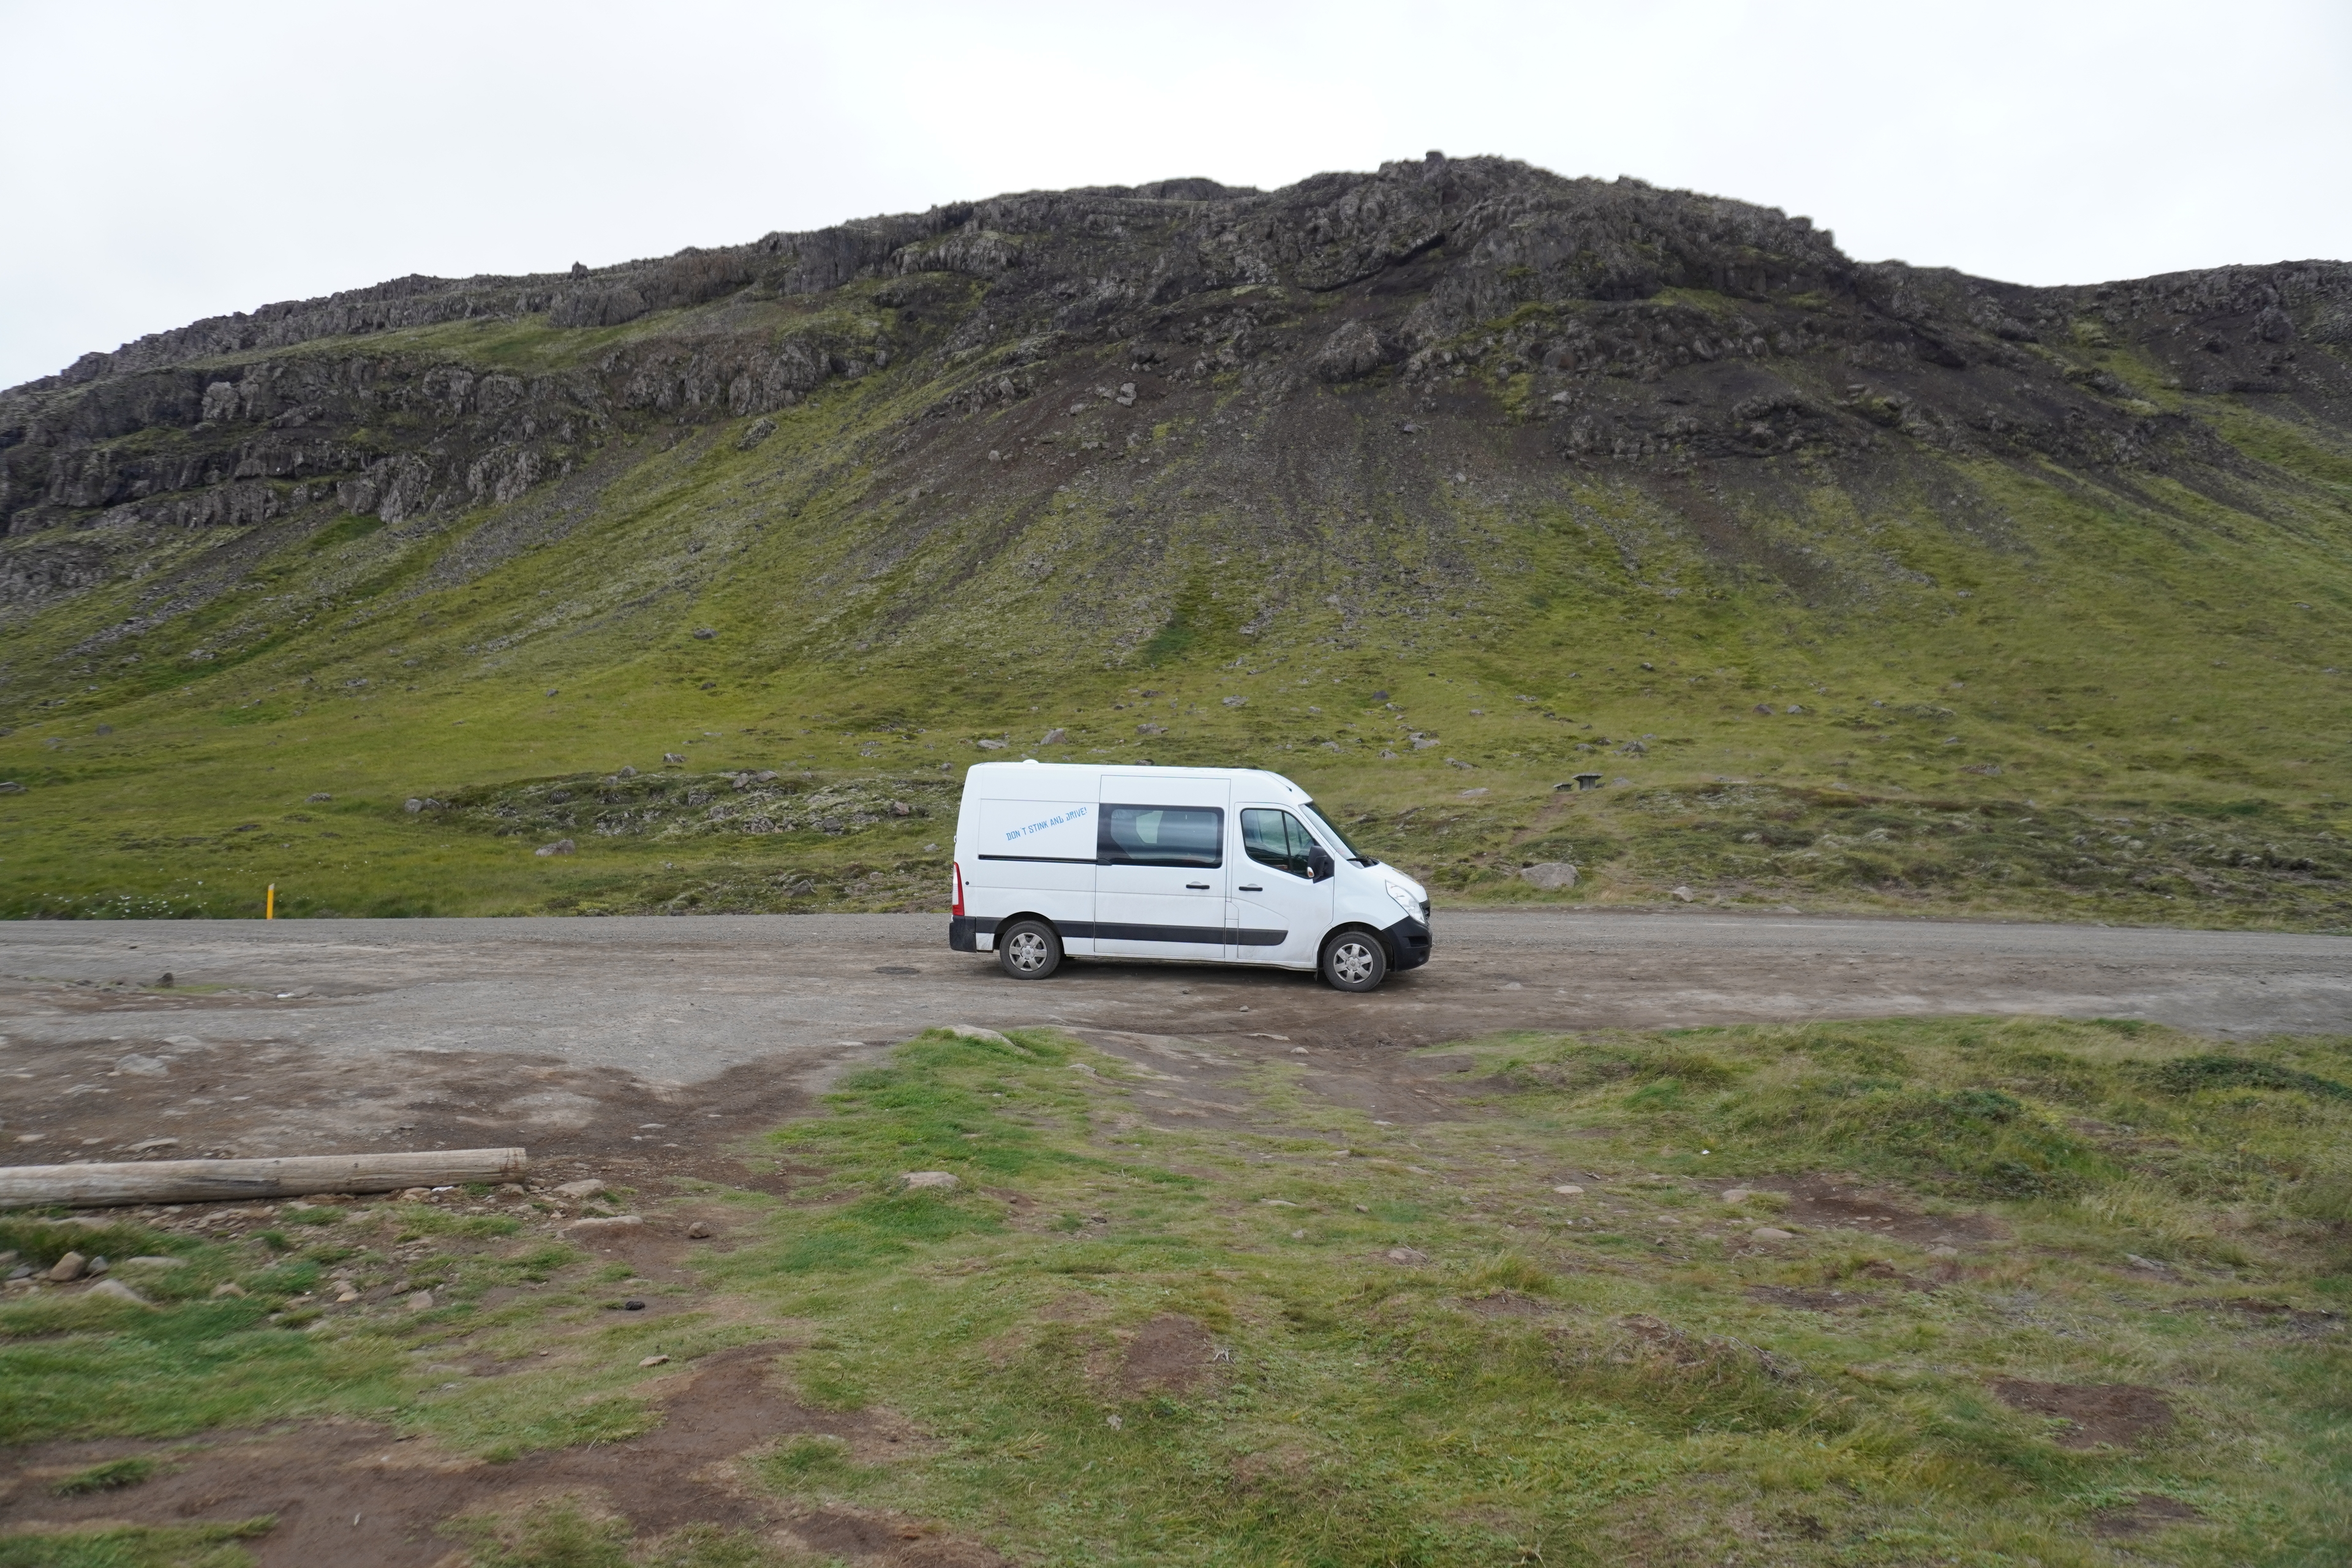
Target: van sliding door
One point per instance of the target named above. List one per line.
(1160, 876)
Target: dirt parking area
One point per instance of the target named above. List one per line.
(645, 1045)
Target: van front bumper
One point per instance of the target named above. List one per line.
(964, 932)
(1409, 942)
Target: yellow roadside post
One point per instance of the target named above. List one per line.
(269, 904)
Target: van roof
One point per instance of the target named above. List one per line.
(1027, 771)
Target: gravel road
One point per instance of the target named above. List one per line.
(599, 1035)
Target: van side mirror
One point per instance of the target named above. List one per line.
(1318, 864)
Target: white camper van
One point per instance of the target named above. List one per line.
(1215, 865)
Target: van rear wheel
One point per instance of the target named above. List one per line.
(1354, 961)
(1028, 950)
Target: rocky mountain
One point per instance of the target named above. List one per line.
(1611, 457)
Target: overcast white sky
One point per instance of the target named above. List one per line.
(172, 161)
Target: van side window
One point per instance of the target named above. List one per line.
(1278, 839)
(1160, 835)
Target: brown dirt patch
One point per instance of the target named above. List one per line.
(1506, 1304)
(2120, 1414)
(1169, 1354)
(2144, 1512)
(1811, 1300)
(2310, 1320)
(1826, 1202)
(320, 1477)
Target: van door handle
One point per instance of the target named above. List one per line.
(1249, 888)
(1198, 886)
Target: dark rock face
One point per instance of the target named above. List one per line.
(1680, 340)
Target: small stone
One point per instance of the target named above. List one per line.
(153, 1260)
(941, 1181)
(704, 633)
(69, 1266)
(412, 805)
(346, 1296)
(627, 773)
(1236, 701)
(974, 1032)
(990, 745)
(654, 1361)
(1943, 1252)
(228, 1290)
(634, 1304)
(1771, 1233)
(1056, 736)
(319, 798)
(605, 1225)
(148, 1145)
(699, 1231)
(97, 1266)
(1113, 1422)
(1549, 876)
(561, 846)
(1407, 1255)
(1736, 1194)
(420, 1301)
(1682, 895)
(587, 1189)
(1569, 1190)
(137, 1065)
(672, 758)
(163, 980)
(117, 1290)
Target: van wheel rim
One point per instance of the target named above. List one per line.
(1028, 950)
(1352, 961)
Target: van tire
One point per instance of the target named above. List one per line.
(1028, 950)
(1354, 961)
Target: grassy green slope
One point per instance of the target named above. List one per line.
(1992, 687)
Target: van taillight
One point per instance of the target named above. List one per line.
(957, 907)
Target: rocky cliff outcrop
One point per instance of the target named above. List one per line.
(1667, 336)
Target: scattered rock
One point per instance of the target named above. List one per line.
(941, 1181)
(316, 799)
(10, 786)
(699, 1231)
(759, 430)
(605, 1225)
(155, 1261)
(586, 1189)
(68, 1267)
(420, 1301)
(655, 1360)
(625, 772)
(673, 759)
(227, 1289)
(704, 633)
(1682, 895)
(1548, 876)
(163, 980)
(1406, 1255)
(138, 1065)
(1056, 737)
(974, 1032)
(1771, 1233)
(413, 806)
(1236, 701)
(634, 1304)
(115, 1290)
(561, 846)
(990, 745)
(1764, 708)
(1569, 1190)
(1943, 1252)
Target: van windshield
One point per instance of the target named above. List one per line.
(1325, 822)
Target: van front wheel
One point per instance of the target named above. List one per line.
(1028, 950)
(1354, 961)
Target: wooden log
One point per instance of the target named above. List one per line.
(217, 1181)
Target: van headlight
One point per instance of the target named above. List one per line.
(1411, 905)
